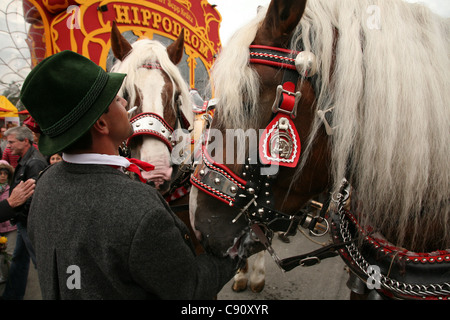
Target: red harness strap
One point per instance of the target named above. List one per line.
(280, 142)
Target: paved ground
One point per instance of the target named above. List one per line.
(325, 281)
(33, 291)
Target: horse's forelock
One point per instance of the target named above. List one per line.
(235, 84)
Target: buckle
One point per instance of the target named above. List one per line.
(276, 104)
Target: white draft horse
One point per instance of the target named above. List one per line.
(355, 90)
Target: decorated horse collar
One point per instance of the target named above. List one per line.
(381, 267)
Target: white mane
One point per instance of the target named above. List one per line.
(147, 51)
(390, 89)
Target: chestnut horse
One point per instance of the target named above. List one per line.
(163, 115)
(344, 97)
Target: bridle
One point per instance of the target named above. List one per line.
(251, 193)
(152, 124)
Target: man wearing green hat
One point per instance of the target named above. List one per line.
(98, 234)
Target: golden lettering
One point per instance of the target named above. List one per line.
(156, 20)
(146, 16)
(135, 15)
(167, 25)
(122, 14)
(203, 50)
(177, 29)
(187, 36)
(195, 41)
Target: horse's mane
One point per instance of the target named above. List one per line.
(390, 90)
(147, 51)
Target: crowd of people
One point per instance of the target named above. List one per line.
(19, 169)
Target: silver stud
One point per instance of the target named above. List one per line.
(268, 201)
(202, 172)
(217, 181)
(233, 189)
(251, 191)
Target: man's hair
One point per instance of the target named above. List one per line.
(21, 133)
(82, 143)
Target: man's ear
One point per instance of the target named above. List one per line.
(101, 125)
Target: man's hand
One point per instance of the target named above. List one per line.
(21, 193)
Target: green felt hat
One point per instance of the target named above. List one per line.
(66, 93)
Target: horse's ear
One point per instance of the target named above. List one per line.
(175, 50)
(281, 19)
(120, 46)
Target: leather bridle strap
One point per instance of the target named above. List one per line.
(275, 57)
(313, 257)
(287, 96)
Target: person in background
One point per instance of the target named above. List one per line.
(6, 228)
(3, 140)
(54, 158)
(7, 155)
(30, 164)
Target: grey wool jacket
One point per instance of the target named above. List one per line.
(100, 235)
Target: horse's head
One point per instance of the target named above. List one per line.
(155, 86)
(265, 92)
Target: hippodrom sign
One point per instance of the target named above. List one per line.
(84, 26)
